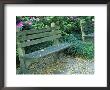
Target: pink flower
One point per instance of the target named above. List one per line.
(30, 23)
(30, 16)
(20, 24)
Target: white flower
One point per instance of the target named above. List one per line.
(92, 19)
(52, 24)
(37, 19)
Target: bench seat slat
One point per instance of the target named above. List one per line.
(46, 51)
(28, 43)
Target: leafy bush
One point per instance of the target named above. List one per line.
(80, 48)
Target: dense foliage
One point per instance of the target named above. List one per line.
(80, 48)
(66, 23)
(70, 27)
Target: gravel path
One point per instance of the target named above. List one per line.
(64, 65)
(79, 66)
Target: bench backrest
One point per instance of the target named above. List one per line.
(31, 37)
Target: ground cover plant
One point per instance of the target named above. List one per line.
(77, 30)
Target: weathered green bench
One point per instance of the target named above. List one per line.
(32, 37)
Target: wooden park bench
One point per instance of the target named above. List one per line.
(32, 37)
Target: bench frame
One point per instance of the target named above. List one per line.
(24, 39)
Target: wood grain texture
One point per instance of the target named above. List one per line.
(37, 41)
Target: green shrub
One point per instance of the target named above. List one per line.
(80, 48)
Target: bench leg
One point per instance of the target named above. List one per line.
(56, 56)
(23, 69)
